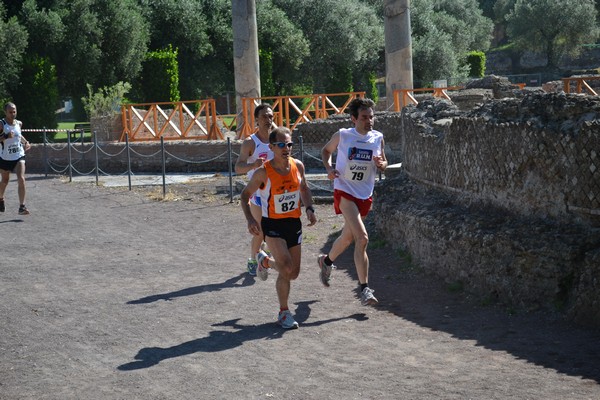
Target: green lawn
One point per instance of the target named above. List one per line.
(62, 136)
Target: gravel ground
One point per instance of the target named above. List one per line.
(108, 293)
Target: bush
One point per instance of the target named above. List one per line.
(160, 76)
(476, 63)
(106, 101)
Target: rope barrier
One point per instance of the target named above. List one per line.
(94, 146)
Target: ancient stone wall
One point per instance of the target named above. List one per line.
(502, 200)
(536, 155)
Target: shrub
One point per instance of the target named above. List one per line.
(476, 63)
(106, 101)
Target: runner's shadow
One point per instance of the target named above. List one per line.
(11, 220)
(215, 287)
(541, 337)
(222, 340)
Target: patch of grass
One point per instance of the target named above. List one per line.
(486, 301)
(456, 287)
(309, 238)
(377, 243)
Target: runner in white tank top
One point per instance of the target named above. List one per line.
(360, 153)
(254, 152)
(12, 155)
(355, 160)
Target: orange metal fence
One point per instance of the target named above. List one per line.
(580, 84)
(403, 97)
(199, 120)
(171, 121)
(289, 111)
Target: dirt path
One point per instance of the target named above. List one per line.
(108, 294)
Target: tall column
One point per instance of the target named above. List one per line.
(245, 54)
(398, 48)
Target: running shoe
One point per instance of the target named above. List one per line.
(262, 270)
(2, 206)
(367, 298)
(252, 264)
(23, 210)
(286, 320)
(324, 270)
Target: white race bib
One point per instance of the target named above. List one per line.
(358, 171)
(286, 202)
(14, 148)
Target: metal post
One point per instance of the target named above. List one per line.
(69, 155)
(128, 160)
(301, 142)
(164, 167)
(230, 170)
(45, 153)
(96, 151)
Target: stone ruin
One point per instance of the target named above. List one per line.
(502, 199)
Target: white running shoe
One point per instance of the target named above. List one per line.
(262, 270)
(324, 270)
(286, 320)
(367, 298)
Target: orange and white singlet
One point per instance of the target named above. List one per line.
(280, 197)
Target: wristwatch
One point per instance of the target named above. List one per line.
(310, 208)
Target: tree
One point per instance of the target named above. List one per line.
(553, 27)
(124, 42)
(11, 31)
(344, 37)
(97, 42)
(287, 52)
(183, 24)
(216, 75)
(444, 31)
(37, 97)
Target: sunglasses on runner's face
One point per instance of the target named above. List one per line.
(281, 145)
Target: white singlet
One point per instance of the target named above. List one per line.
(12, 149)
(355, 163)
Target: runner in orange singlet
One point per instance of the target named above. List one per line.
(283, 190)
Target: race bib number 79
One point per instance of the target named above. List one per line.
(357, 171)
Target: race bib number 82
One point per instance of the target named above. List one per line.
(286, 202)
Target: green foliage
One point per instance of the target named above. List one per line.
(13, 35)
(372, 91)
(288, 52)
(266, 73)
(37, 95)
(187, 25)
(345, 37)
(160, 79)
(106, 101)
(476, 62)
(125, 38)
(442, 32)
(565, 25)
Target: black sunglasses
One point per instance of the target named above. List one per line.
(281, 145)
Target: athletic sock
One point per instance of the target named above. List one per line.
(363, 286)
(282, 309)
(327, 261)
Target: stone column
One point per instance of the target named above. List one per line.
(398, 48)
(245, 54)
